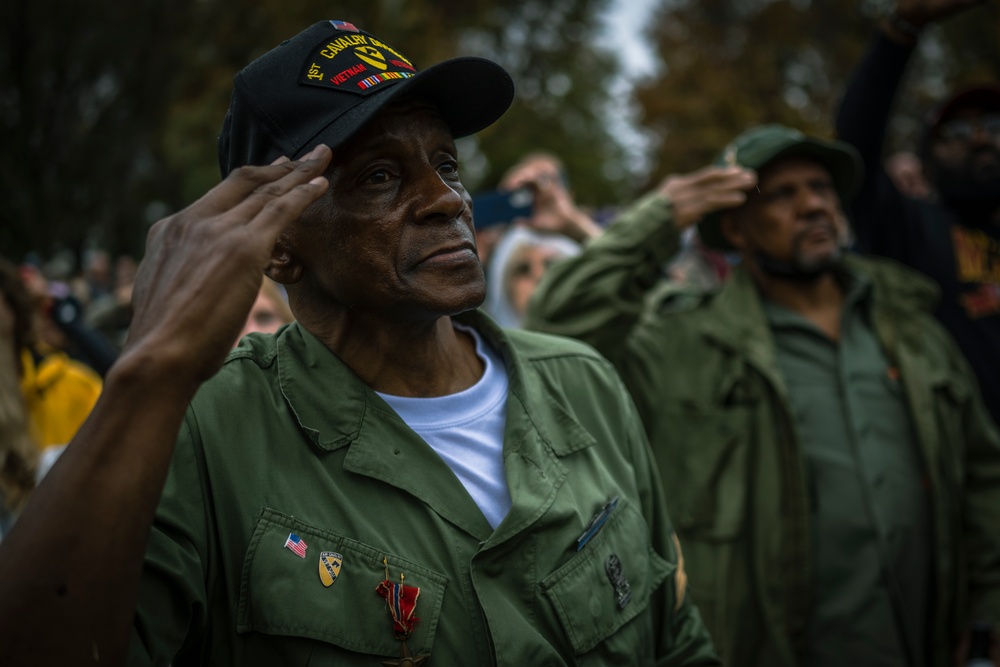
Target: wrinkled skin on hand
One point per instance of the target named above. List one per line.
(699, 193)
(203, 265)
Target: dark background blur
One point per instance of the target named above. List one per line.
(109, 111)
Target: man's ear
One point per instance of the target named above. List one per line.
(732, 230)
(283, 267)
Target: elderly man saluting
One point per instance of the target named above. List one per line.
(832, 472)
(392, 479)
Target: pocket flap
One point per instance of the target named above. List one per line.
(588, 598)
(284, 593)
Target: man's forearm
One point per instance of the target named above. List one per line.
(864, 111)
(95, 507)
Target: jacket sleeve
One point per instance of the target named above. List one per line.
(172, 602)
(598, 296)
(981, 510)
(884, 219)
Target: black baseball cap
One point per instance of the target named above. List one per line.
(985, 96)
(323, 84)
(763, 144)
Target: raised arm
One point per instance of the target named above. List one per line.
(883, 218)
(69, 570)
(598, 296)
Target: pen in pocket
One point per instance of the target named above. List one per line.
(595, 524)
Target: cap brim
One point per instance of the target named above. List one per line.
(984, 96)
(841, 159)
(470, 93)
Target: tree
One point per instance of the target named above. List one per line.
(730, 64)
(109, 111)
(563, 81)
(81, 88)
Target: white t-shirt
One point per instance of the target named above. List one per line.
(466, 430)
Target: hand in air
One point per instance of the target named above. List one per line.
(203, 266)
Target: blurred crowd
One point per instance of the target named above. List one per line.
(808, 327)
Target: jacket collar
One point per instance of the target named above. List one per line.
(335, 409)
(735, 321)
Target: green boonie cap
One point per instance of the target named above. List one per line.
(762, 144)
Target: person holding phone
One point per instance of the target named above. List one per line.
(545, 225)
(554, 209)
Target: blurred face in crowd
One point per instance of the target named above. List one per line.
(269, 311)
(524, 271)
(964, 162)
(393, 235)
(907, 173)
(795, 218)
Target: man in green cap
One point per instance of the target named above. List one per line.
(828, 462)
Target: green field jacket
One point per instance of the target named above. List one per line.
(703, 371)
(287, 441)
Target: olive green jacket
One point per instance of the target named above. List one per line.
(287, 440)
(703, 371)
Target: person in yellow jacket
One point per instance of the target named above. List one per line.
(59, 392)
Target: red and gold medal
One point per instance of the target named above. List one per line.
(402, 603)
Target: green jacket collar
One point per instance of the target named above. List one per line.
(336, 410)
(735, 319)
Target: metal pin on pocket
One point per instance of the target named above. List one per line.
(595, 524)
(616, 574)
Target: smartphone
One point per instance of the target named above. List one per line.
(495, 208)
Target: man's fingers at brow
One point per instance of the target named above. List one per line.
(279, 211)
(274, 179)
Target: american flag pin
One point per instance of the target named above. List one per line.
(297, 545)
(344, 25)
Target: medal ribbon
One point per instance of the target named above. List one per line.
(402, 603)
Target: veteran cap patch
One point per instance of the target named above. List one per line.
(355, 62)
(323, 84)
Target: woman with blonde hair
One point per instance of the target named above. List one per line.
(18, 453)
(269, 312)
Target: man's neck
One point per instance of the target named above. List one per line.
(407, 358)
(821, 301)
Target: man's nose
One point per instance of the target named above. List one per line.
(813, 202)
(439, 199)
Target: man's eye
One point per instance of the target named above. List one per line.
(379, 176)
(449, 167)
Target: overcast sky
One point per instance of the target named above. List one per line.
(625, 20)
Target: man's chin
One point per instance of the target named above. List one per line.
(802, 268)
(821, 263)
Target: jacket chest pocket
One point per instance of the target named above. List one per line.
(607, 585)
(703, 462)
(300, 581)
